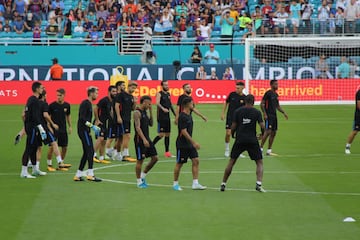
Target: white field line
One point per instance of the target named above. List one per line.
(242, 189)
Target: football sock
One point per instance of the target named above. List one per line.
(24, 170)
(167, 143)
(90, 172)
(49, 162)
(156, 139)
(143, 175)
(258, 183)
(108, 151)
(223, 183)
(126, 152)
(348, 145)
(101, 157)
(268, 151)
(176, 183)
(78, 173)
(37, 166)
(227, 145)
(58, 159)
(138, 180)
(195, 181)
(94, 155)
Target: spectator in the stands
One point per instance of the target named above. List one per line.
(8, 14)
(20, 6)
(182, 26)
(130, 5)
(18, 25)
(57, 4)
(29, 22)
(7, 26)
(267, 13)
(353, 68)
(321, 67)
(281, 15)
(244, 19)
(67, 27)
(181, 9)
(164, 25)
(323, 16)
(257, 19)
(213, 75)
(341, 3)
(351, 14)
(102, 13)
(343, 70)
(201, 73)
(177, 35)
(212, 56)
(226, 23)
(339, 28)
(45, 9)
(112, 19)
(196, 55)
(250, 32)
(78, 28)
(79, 15)
(234, 14)
(216, 21)
(205, 30)
(93, 35)
(295, 15)
(307, 11)
(87, 25)
(207, 16)
(92, 17)
(227, 74)
(37, 32)
(35, 8)
(91, 7)
(108, 33)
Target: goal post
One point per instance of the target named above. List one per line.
(312, 70)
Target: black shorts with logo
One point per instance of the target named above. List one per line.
(271, 123)
(143, 152)
(253, 150)
(164, 126)
(182, 154)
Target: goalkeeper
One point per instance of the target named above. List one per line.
(84, 126)
(33, 127)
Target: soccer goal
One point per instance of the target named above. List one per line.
(314, 70)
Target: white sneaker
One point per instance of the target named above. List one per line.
(227, 153)
(38, 173)
(119, 157)
(198, 187)
(26, 176)
(347, 151)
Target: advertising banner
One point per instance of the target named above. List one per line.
(205, 91)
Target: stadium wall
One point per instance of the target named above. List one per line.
(25, 55)
(203, 91)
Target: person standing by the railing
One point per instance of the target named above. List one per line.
(295, 15)
(351, 14)
(56, 70)
(307, 11)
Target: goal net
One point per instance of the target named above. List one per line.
(310, 70)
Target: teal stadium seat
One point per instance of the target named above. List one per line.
(297, 60)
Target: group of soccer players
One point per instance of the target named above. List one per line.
(113, 114)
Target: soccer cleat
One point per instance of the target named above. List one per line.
(347, 151)
(17, 139)
(143, 180)
(271, 154)
(142, 185)
(198, 186)
(93, 179)
(118, 157)
(64, 169)
(128, 159)
(38, 173)
(66, 165)
(168, 154)
(78, 179)
(242, 156)
(227, 153)
(222, 187)
(96, 160)
(27, 176)
(259, 188)
(177, 187)
(104, 161)
(51, 169)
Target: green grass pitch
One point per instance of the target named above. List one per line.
(312, 186)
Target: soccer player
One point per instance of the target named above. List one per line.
(356, 126)
(124, 105)
(143, 144)
(163, 102)
(49, 127)
(115, 129)
(186, 147)
(244, 125)
(269, 104)
(187, 94)
(103, 112)
(233, 102)
(84, 125)
(59, 111)
(33, 127)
